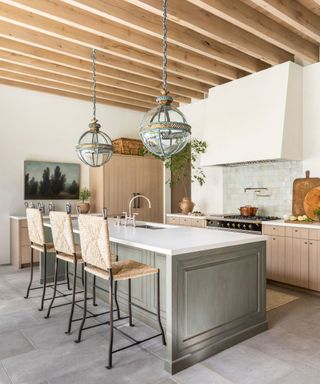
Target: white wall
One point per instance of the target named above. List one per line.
(209, 197)
(311, 119)
(40, 126)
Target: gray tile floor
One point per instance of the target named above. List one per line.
(36, 351)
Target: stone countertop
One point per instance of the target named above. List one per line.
(174, 240)
(203, 217)
(17, 217)
(309, 225)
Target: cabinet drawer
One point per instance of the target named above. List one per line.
(271, 230)
(173, 220)
(198, 223)
(185, 221)
(314, 234)
(297, 233)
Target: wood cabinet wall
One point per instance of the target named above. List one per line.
(20, 250)
(113, 185)
(293, 255)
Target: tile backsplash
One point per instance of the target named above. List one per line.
(277, 177)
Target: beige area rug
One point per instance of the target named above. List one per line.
(276, 299)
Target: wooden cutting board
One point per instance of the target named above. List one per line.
(312, 202)
(299, 191)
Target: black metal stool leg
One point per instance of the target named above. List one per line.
(82, 274)
(73, 295)
(129, 303)
(84, 308)
(68, 279)
(116, 298)
(31, 276)
(44, 279)
(158, 309)
(109, 366)
(94, 291)
(54, 288)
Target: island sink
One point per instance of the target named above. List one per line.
(147, 226)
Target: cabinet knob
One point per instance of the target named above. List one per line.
(310, 243)
(306, 242)
(273, 238)
(296, 230)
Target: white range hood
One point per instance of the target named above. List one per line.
(255, 118)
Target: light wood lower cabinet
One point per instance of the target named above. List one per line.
(297, 262)
(187, 221)
(20, 251)
(314, 265)
(276, 258)
(293, 256)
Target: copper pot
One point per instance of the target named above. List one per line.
(247, 210)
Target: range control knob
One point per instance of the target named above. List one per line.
(244, 226)
(233, 225)
(250, 226)
(239, 225)
(228, 225)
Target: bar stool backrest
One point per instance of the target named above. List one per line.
(95, 242)
(35, 226)
(62, 232)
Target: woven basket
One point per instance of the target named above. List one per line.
(126, 146)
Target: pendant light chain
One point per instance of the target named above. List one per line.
(164, 46)
(94, 54)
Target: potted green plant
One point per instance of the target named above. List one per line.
(317, 213)
(84, 206)
(183, 167)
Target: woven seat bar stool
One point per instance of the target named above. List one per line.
(96, 253)
(38, 243)
(68, 251)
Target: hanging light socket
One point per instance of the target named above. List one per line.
(94, 147)
(164, 129)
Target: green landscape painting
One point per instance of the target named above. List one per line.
(51, 181)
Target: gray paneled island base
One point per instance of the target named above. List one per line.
(213, 286)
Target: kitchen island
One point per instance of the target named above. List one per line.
(213, 286)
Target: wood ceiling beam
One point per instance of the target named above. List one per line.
(253, 21)
(70, 63)
(148, 23)
(196, 19)
(68, 80)
(294, 14)
(57, 69)
(34, 38)
(73, 95)
(69, 88)
(177, 80)
(105, 34)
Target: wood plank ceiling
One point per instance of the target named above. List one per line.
(46, 45)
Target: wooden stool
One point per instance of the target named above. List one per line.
(96, 253)
(38, 243)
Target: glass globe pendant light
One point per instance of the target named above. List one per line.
(94, 147)
(164, 129)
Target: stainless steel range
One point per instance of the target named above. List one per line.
(238, 223)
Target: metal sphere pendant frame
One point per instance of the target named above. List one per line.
(164, 129)
(94, 146)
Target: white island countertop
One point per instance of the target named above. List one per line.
(174, 240)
